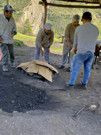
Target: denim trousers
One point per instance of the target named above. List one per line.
(79, 60)
(7, 49)
(37, 54)
(67, 56)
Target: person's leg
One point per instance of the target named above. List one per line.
(37, 52)
(71, 58)
(11, 52)
(65, 55)
(77, 63)
(87, 67)
(4, 50)
(46, 55)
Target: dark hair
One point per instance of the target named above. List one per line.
(87, 16)
(6, 11)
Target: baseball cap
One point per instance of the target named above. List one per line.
(8, 8)
(47, 26)
(87, 16)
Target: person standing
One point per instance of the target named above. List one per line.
(44, 40)
(84, 43)
(68, 43)
(7, 32)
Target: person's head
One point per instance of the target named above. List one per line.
(75, 20)
(47, 28)
(8, 10)
(86, 17)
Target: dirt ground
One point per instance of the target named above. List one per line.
(30, 106)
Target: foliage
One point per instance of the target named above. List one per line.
(18, 5)
(27, 28)
(18, 43)
(22, 37)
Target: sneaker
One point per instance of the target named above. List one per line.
(69, 87)
(68, 69)
(5, 68)
(81, 86)
(12, 64)
(61, 67)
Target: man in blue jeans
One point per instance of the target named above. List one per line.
(44, 40)
(84, 42)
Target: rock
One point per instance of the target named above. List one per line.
(99, 108)
(93, 107)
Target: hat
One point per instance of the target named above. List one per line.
(8, 8)
(87, 16)
(47, 26)
(76, 17)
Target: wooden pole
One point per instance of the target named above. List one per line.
(7, 2)
(78, 1)
(45, 12)
(71, 6)
(100, 2)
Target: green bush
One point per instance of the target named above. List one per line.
(27, 28)
(18, 43)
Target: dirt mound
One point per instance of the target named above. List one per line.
(15, 96)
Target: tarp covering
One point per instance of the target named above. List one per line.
(40, 67)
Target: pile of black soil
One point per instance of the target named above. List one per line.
(15, 96)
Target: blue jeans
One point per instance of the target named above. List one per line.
(37, 54)
(79, 60)
(65, 57)
(7, 49)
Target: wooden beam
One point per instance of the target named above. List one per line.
(7, 2)
(100, 2)
(87, 2)
(45, 11)
(71, 6)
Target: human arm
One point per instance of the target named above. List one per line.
(67, 36)
(1, 39)
(75, 42)
(51, 39)
(42, 52)
(14, 30)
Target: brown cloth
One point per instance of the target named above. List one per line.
(40, 67)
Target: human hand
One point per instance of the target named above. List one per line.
(12, 34)
(48, 49)
(69, 44)
(1, 39)
(75, 51)
(42, 52)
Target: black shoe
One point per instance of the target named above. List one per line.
(69, 87)
(68, 69)
(61, 67)
(81, 86)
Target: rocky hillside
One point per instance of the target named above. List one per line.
(34, 13)
(58, 17)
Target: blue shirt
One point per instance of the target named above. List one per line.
(85, 38)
